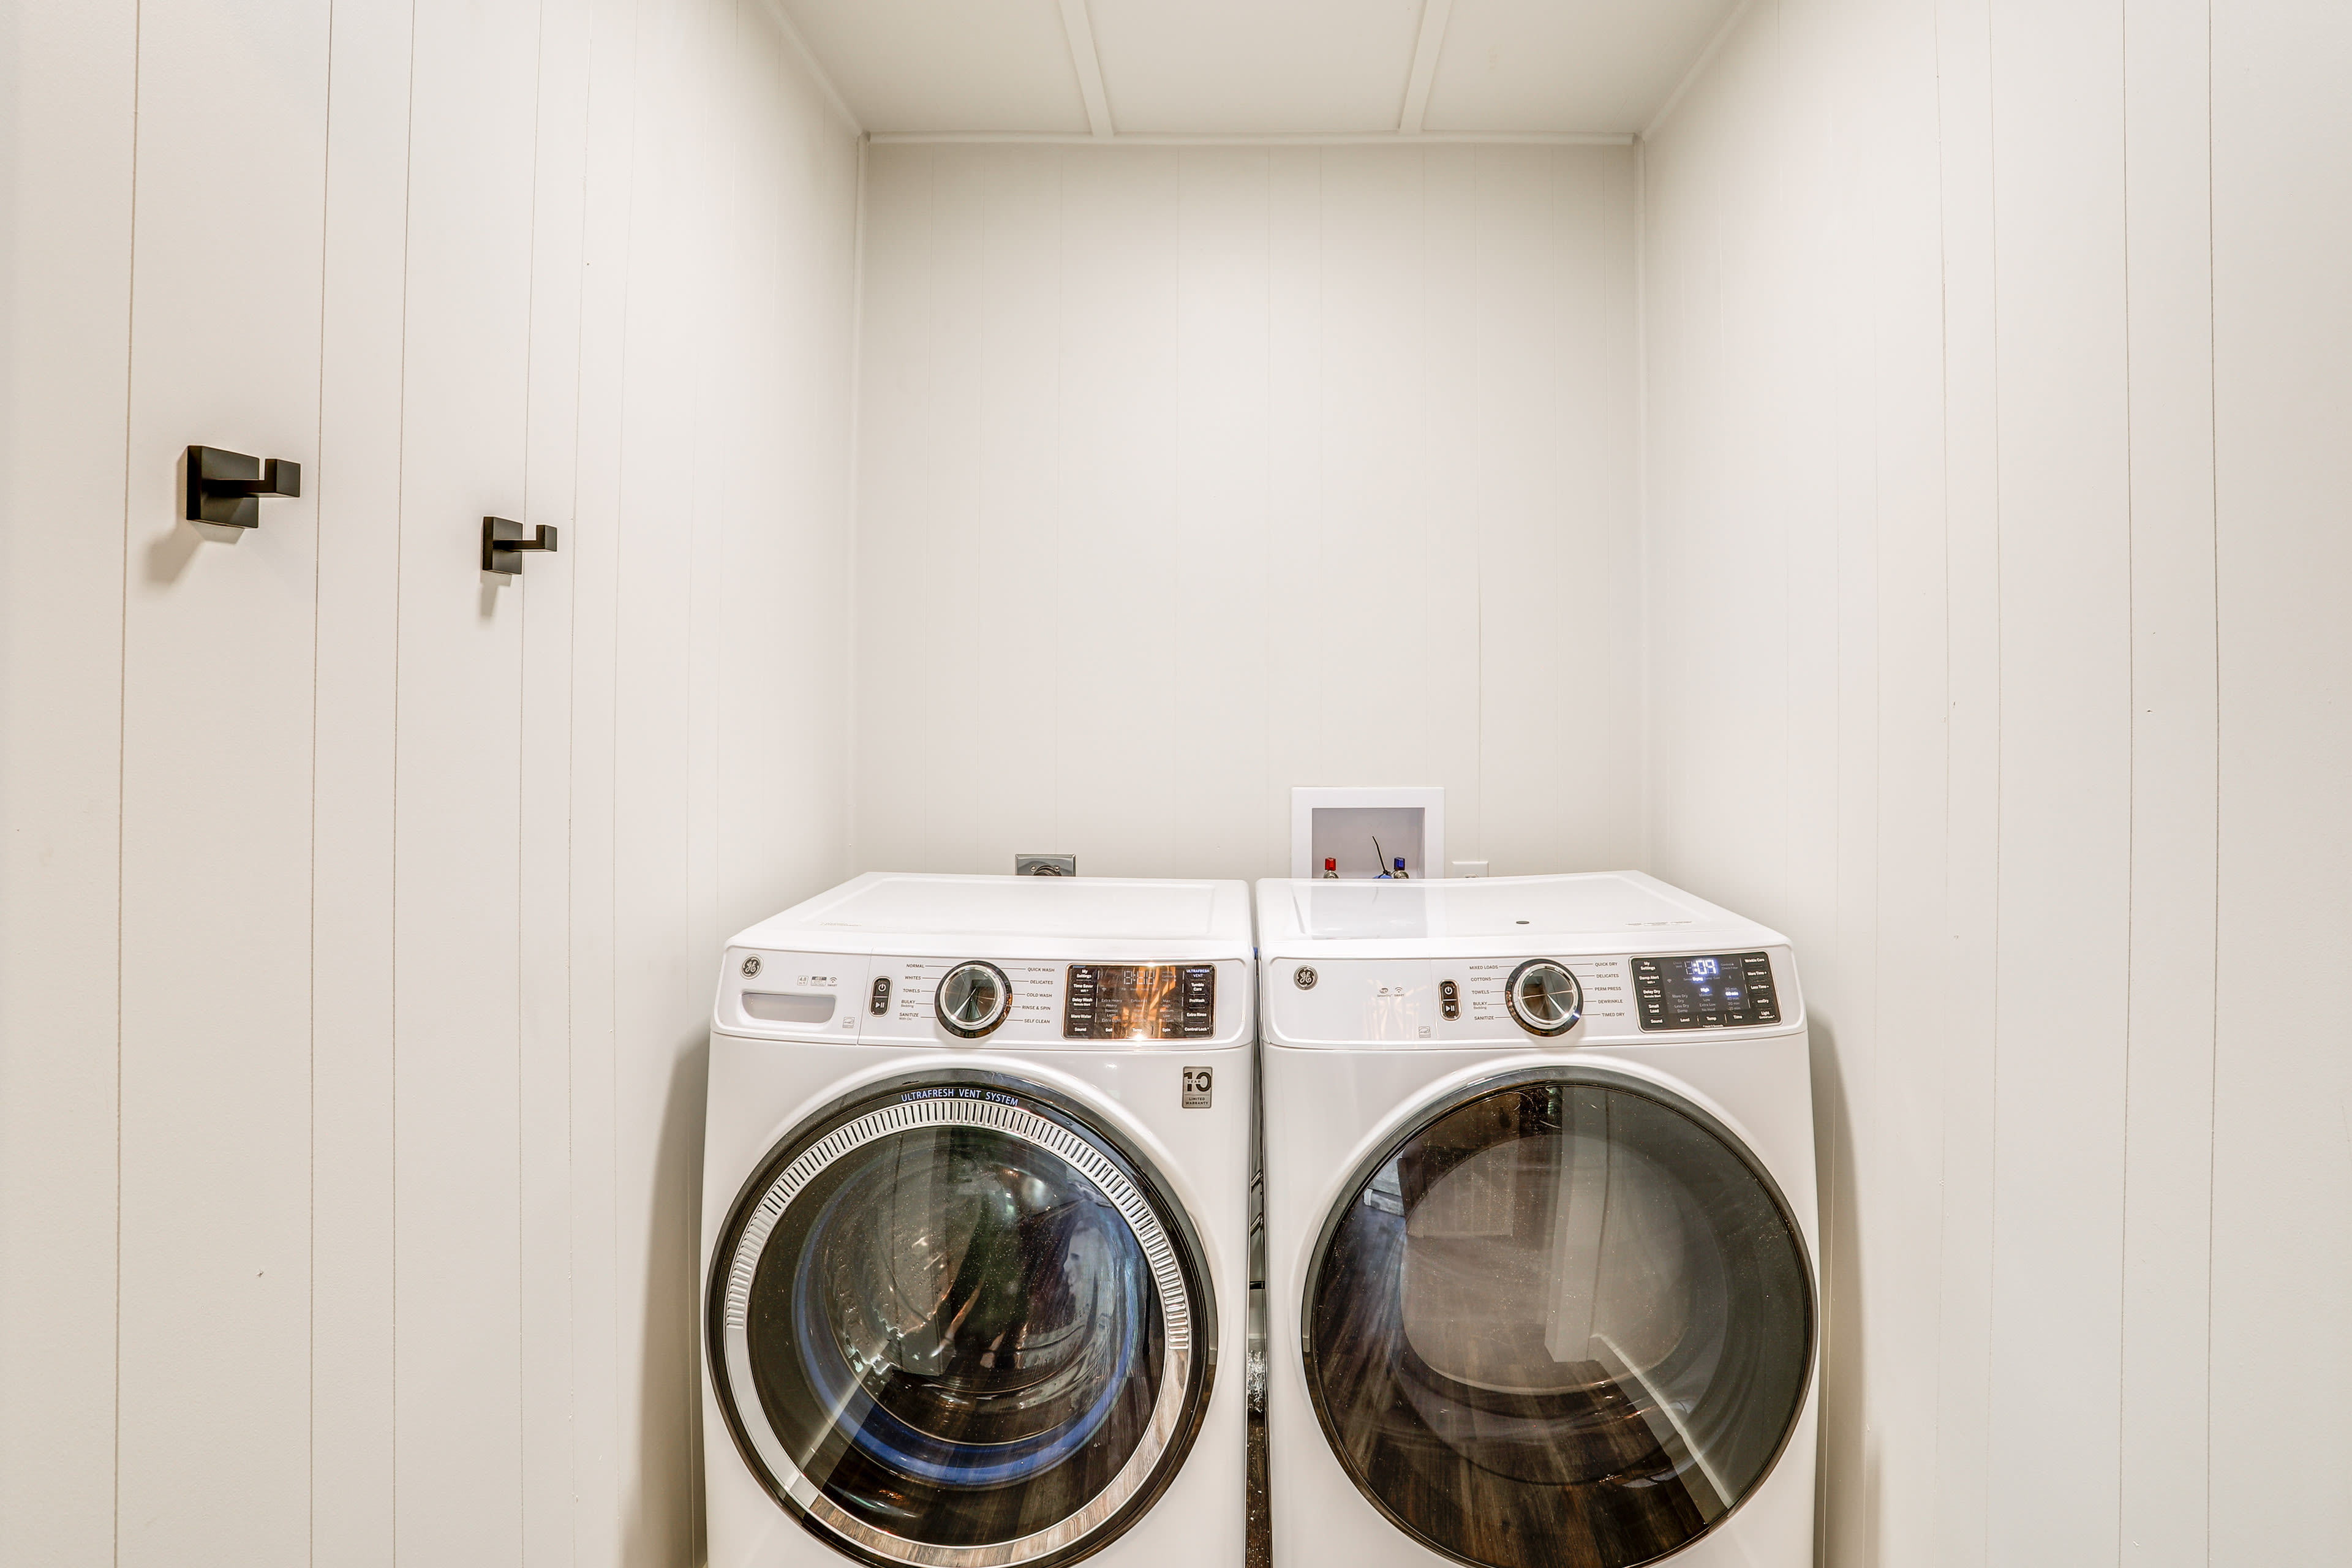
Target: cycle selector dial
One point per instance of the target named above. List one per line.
(972, 999)
(1544, 997)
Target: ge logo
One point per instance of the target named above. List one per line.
(751, 964)
(1303, 977)
(1198, 1082)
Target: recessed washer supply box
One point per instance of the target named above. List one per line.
(1366, 829)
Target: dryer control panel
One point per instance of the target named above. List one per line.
(1706, 991)
(1438, 1002)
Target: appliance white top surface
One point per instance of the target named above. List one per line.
(1622, 911)
(911, 911)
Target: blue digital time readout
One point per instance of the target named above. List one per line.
(1708, 989)
(1708, 981)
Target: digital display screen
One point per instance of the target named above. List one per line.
(1714, 990)
(1139, 1002)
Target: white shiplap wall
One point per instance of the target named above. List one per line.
(1190, 475)
(356, 917)
(1995, 378)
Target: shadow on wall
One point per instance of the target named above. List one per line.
(1843, 1464)
(661, 1523)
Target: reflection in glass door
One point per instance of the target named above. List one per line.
(959, 1328)
(1567, 1319)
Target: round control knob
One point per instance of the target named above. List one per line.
(972, 999)
(1544, 997)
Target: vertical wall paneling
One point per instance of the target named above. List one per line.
(1374, 642)
(357, 481)
(1293, 549)
(771, 778)
(1902, 757)
(593, 570)
(2168, 1170)
(2282, 1206)
(1466, 419)
(1971, 848)
(216, 704)
(1545, 621)
(2065, 868)
(1221, 589)
(457, 980)
(1596, 220)
(2044, 808)
(1530, 238)
(1333, 447)
(544, 819)
(66, 76)
(660, 490)
(358, 912)
(1115, 478)
(891, 495)
(1003, 350)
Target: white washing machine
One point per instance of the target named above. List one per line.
(974, 1240)
(1540, 1226)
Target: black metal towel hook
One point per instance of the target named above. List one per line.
(223, 487)
(504, 541)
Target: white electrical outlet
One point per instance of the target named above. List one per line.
(1469, 867)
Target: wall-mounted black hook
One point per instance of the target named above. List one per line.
(503, 542)
(222, 485)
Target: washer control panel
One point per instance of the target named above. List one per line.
(987, 1003)
(1706, 991)
(1139, 1002)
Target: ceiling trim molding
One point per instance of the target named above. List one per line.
(1298, 139)
(1721, 35)
(1083, 56)
(811, 63)
(1434, 15)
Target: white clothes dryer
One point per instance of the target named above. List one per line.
(974, 1240)
(1539, 1226)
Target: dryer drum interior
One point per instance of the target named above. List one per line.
(957, 1326)
(1565, 1320)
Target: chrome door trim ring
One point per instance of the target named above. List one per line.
(995, 1020)
(1599, 1075)
(1511, 999)
(947, 1107)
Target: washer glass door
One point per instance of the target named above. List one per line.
(1565, 1318)
(955, 1325)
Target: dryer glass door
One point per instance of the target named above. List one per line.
(1565, 1318)
(954, 1324)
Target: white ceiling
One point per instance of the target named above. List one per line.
(1268, 68)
